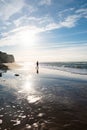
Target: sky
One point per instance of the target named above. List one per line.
(44, 30)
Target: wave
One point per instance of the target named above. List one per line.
(72, 67)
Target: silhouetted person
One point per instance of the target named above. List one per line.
(37, 63)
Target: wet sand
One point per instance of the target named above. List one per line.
(47, 100)
(12, 65)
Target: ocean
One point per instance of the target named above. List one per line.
(72, 67)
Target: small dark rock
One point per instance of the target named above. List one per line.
(16, 74)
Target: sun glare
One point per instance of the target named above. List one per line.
(27, 38)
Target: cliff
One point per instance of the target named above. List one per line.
(6, 58)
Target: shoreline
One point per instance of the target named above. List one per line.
(43, 70)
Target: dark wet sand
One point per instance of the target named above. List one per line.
(49, 100)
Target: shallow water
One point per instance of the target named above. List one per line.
(48, 100)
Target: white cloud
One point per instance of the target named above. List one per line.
(20, 36)
(33, 21)
(8, 9)
(66, 19)
(53, 26)
(47, 23)
(45, 2)
(82, 10)
(31, 8)
(70, 21)
(30, 28)
(18, 22)
(24, 20)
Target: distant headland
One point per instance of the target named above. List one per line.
(6, 58)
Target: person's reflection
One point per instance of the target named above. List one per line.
(37, 70)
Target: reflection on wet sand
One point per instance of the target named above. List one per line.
(29, 91)
(42, 102)
(27, 86)
(37, 70)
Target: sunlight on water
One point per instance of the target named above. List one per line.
(29, 91)
(27, 86)
(33, 99)
(26, 65)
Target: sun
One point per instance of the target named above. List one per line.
(27, 37)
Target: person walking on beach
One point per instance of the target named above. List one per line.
(37, 64)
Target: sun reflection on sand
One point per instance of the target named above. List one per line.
(27, 65)
(27, 85)
(33, 99)
(29, 91)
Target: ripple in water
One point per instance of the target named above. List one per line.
(33, 99)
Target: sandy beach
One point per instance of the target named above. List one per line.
(42, 100)
(13, 65)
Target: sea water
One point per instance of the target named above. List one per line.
(72, 67)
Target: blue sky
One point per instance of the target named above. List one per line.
(47, 30)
